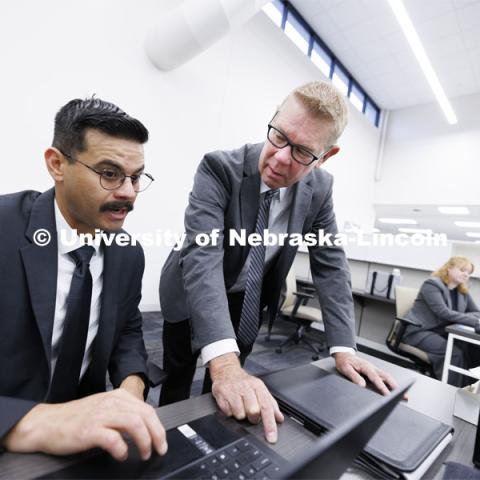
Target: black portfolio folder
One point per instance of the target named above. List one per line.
(322, 400)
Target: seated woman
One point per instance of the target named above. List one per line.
(442, 301)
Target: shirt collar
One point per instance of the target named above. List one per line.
(265, 188)
(69, 234)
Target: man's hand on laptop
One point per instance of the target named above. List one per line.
(95, 421)
(356, 369)
(241, 395)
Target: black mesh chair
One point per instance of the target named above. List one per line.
(295, 309)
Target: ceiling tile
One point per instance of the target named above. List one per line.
(375, 8)
(459, 81)
(367, 39)
(372, 51)
(396, 43)
(438, 27)
(405, 60)
(338, 42)
(347, 15)
(313, 7)
(471, 38)
(421, 10)
(385, 23)
(324, 25)
(446, 47)
(469, 15)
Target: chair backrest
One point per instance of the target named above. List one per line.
(290, 287)
(404, 299)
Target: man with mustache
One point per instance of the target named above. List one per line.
(212, 295)
(69, 313)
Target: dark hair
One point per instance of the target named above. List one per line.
(74, 118)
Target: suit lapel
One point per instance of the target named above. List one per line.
(301, 202)
(445, 291)
(249, 196)
(250, 191)
(41, 265)
(301, 205)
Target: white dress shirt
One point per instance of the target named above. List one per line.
(66, 267)
(277, 223)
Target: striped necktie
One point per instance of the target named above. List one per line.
(249, 318)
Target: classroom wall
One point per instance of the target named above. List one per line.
(56, 50)
(428, 161)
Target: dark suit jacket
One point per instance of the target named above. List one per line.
(433, 308)
(28, 283)
(225, 195)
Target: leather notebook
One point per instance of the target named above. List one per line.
(322, 400)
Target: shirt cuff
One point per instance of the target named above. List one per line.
(215, 349)
(342, 349)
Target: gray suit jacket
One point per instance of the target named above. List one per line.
(225, 195)
(433, 308)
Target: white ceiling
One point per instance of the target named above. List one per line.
(366, 37)
(428, 216)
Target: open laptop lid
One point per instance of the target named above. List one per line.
(334, 452)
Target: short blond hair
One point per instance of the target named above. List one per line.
(458, 261)
(322, 99)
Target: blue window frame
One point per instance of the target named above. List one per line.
(285, 16)
(321, 58)
(275, 11)
(372, 112)
(357, 97)
(340, 79)
(297, 32)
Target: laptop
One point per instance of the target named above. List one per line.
(216, 447)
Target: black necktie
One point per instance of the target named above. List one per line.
(74, 337)
(249, 318)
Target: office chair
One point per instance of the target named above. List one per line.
(294, 308)
(404, 299)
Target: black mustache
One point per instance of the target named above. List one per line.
(114, 206)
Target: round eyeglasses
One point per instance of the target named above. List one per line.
(112, 178)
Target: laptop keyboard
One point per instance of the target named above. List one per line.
(240, 460)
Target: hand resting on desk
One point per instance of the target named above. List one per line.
(94, 421)
(241, 395)
(356, 368)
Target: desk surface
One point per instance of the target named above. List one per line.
(368, 296)
(427, 396)
(355, 292)
(463, 330)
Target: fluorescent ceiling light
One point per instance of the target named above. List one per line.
(425, 231)
(467, 224)
(422, 58)
(398, 221)
(473, 234)
(454, 210)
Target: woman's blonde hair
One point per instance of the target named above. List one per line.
(442, 272)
